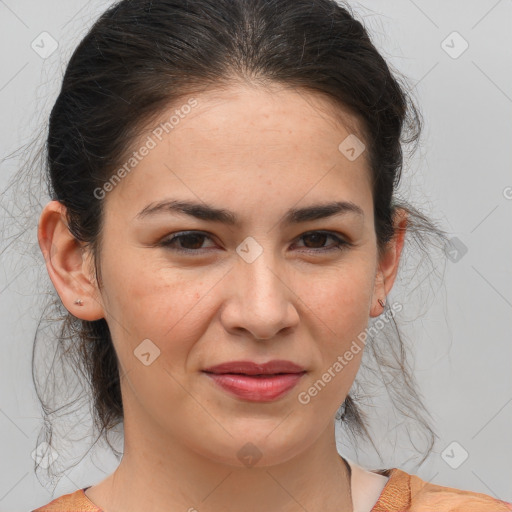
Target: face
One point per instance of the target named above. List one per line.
(266, 286)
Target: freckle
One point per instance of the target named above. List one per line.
(196, 295)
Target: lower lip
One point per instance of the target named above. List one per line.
(256, 389)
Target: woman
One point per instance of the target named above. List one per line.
(223, 226)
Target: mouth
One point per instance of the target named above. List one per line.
(257, 382)
(275, 367)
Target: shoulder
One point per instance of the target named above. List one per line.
(76, 501)
(407, 492)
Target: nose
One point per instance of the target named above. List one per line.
(260, 301)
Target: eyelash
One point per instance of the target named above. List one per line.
(340, 243)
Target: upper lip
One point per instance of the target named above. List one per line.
(251, 368)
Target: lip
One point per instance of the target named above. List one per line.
(255, 382)
(250, 368)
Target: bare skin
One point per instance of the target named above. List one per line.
(257, 154)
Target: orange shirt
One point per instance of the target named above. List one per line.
(403, 492)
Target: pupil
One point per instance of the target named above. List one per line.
(315, 235)
(197, 238)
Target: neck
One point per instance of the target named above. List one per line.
(161, 474)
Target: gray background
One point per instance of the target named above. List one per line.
(461, 176)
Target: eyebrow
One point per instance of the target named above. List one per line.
(210, 213)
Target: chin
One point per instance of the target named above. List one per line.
(255, 448)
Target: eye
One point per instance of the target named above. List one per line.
(190, 238)
(191, 242)
(319, 237)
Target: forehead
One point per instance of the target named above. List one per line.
(236, 139)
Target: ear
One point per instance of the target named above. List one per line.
(68, 264)
(387, 267)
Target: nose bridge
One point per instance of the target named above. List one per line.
(261, 303)
(258, 268)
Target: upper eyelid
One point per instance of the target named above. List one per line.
(326, 232)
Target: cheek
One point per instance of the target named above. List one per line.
(161, 305)
(341, 299)
(340, 308)
(153, 288)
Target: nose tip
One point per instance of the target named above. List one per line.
(260, 305)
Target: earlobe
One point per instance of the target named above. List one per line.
(379, 295)
(388, 265)
(64, 257)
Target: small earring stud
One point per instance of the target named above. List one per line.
(79, 302)
(382, 303)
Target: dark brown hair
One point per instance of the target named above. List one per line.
(140, 57)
